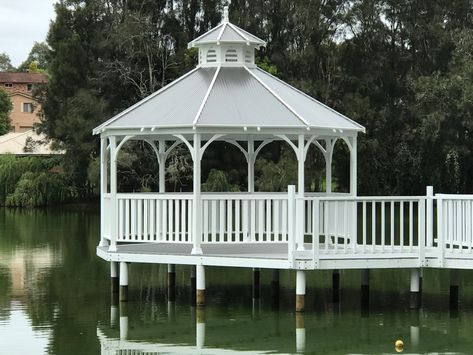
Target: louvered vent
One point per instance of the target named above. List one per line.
(231, 55)
(248, 56)
(211, 56)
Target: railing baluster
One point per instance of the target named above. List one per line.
(170, 220)
(469, 227)
(221, 220)
(391, 224)
(245, 219)
(139, 220)
(237, 221)
(190, 206)
(335, 227)
(401, 225)
(276, 220)
(252, 213)
(383, 226)
(183, 220)
(260, 220)
(268, 220)
(152, 219)
(346, 227)
(127, 219)
(133, 219)
(164, 207)
(411, 225)
(284, 217)
(364, 218)
(229, 220)
(373, 225)
(177, 215)
(145, 219)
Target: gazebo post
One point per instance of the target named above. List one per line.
(353, 172)
(103, 189)
(162, 166)
(300, 190)
(113, 194)
(197, 199)
(328, 165)
(251, 165)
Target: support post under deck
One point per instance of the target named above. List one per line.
(300, 291)
(415, 288)
(454, 286)
(200, 285)
(123, 281)
(171, 282)
(114, 276)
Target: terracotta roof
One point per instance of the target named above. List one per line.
(35, 78)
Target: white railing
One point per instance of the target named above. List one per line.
(455, 229)
(434, 227)
(244, 218)
(155, 217)
(384, 225)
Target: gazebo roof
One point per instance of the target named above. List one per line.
(229, 93)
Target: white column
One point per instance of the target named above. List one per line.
(113, 194)
(328, 165)
(251, 165)
(300, 290)
(123, 281)
(200, 285)
(300, 212)
(415, 280)
(197, 208)
(430, 216)
(103, 190)
(353, 167)
(162, 166)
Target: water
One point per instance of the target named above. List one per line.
(55, 299)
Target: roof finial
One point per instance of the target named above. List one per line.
(225, 13)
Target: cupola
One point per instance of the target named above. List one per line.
(227, 45)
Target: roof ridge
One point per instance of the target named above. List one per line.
(280, 99)
(206, 97)
(311, 98)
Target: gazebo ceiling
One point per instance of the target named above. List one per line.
(228, 91)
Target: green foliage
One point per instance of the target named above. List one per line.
(5, 108)
(39, 54)
(217, 182)
(400, 68)
(32, 181)
(5, 62)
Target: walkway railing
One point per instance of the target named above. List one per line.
(423, 227)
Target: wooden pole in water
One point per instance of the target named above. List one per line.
(365, 287)
(171, 282)
(256, 283)
(193, 285)
(114, 276)
(454, 286)
(200, 285)
(300, 290)
(123, 282)
(336, 286)
(415, 288)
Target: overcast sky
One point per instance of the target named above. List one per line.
(22, 22)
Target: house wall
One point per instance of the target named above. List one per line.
(23, 121)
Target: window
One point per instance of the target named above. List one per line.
(27, 107)
(29, 87)
(211, 56)
(8, 85)
(231, 55)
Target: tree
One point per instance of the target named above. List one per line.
(5, 108)
(40, 53)
(5, 63)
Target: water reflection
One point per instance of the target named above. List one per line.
(55, 298)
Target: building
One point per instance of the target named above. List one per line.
(19, 87)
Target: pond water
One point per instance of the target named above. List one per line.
(55, 299)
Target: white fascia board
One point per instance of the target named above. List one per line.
(97, 129)
(362, 128)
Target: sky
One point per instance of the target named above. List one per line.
(22, 22)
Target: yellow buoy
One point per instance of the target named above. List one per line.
(399, 345)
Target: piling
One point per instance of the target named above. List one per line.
(171, 282)
(200, 326)
(365, 288)
(123, 282)
(336, 286)
(114, 277)
(200, 285)
(256, 283)
(454, 286)
(193, 285)
(123, 321)
(300, 290)
(415, 296)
